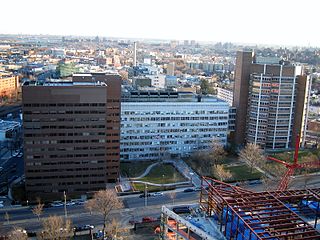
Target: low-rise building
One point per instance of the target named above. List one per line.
(8, 84)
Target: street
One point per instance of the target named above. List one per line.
(134, 210)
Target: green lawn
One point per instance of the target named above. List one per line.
(134, 169)
(243, 173)
(163, 173)
(304, 155)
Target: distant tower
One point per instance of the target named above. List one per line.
(170, 69)
(135, 54)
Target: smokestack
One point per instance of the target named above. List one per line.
(135, 54)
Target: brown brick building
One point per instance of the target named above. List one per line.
(71, 135)
(271, 98)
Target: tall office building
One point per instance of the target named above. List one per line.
(71, 135)
(135, 54)
(170, 69)
(271, 99)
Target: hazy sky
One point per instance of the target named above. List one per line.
(251, 21)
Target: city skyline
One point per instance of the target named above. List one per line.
(227, 21)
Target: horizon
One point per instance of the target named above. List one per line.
(207, 21)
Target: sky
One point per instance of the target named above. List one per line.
(280, 22)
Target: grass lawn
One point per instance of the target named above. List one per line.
(163, 173)
(302, 157)
(134, 169)
(242, 173)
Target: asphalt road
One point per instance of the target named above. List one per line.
(134, 210)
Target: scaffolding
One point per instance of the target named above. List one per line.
(274, 215)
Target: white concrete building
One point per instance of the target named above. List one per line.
(225, 95)
(158, 125)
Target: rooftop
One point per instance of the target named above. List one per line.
(7, 125)
(167, 96)
(63, 83)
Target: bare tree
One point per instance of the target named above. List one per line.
(18, 234)
(252, 154)
(217, 152)
(7, 217)
(114, 230)
(103, 202)
(38, 210)
(55, 228)
(221, 173)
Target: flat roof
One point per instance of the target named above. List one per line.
(7, 125)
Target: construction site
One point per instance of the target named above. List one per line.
(226, 211)
(230, 212)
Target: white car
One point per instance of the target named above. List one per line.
(1, 205)
(156, 194)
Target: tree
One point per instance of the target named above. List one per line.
(55, 228)
(103, 202)
(38, 210)
(217, 152)
(252, 154)
(113, 230)
(221, 173)
(17, 234)
(123, 74)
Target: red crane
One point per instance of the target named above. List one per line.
(283, 185)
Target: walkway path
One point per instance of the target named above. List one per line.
(146, 172)
(180, 165)
(161, 184)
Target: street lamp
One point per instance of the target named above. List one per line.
(145, 195)
(191, 174)
(65, 204)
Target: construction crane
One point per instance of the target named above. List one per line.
(283, 185)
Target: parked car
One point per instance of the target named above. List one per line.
(156, 194)
(188, 190)
(181, 209)
(148, 219)
(57, 204)
(143, 195)
(84, 228)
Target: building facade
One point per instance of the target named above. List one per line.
(71, 135)
(8, 84)
(271, 101)
(157, 125)
(225, 94)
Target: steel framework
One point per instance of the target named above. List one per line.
(283, 185)
(247, 215)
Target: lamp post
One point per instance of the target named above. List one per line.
(191, 174)
(145, 195)
(65, 204)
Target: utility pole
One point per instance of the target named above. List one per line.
(145, 195)
(65, 205)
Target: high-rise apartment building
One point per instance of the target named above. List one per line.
(271, 99)
(71, 135)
